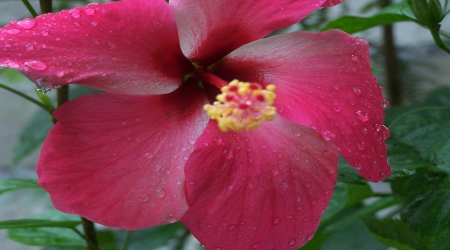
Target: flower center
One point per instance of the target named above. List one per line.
(242, 105)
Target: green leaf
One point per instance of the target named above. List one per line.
(344, 196)
(395, 233)
(33, 135)
(45, 99)
(32, 223)
(426, 199)
(348, 174)
(9, 185)
(352, 24)
(352, 237)
(51, 228)
(153, 238)
(421, 137)
(61, 237)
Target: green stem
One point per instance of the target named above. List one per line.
(91, 244)
(438, 40)
(29, 98)
(91, 235)
(127, 240)
(62, 95)
(30, 8)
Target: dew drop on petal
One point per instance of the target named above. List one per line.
(13, 31)
(218, 141)
(297, 134)
(143, 198)
(354, 58)
(89, 12)
(36, 65)
(309, 237)
(94, 23)
(362, 116)
(230, 187)
(44, 33)
(29, 47)
(191, 141)
(26, 24)
(160, 193)
(170, 219)
(43, 90)
(148, 155)
(231, 227)
(291, 242)
(276, 220)
(357, 91)
(361, 146)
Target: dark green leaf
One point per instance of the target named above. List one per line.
(345, 195)
(33, 135)
(352, 237)
(62, 237)
(424, 134)
(426, 197)
(154, 238)
(396, 234)
(348, 174)
(10, 185)
(352, 24)
(32, 223)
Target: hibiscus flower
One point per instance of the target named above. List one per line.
(146, 152)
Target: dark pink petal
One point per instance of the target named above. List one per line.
(119, 159)
(330, 3)
(210, 30)
(129, 46)
(323, 81)
(266, 189)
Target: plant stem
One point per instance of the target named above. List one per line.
(30, 8)
(40, 104)
(91, 235)
(62, 95)
(127, 240)
(393, 82)
(438, 40)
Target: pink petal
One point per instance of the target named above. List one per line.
(266, 189)
(118, 159)
(330, 3)
(323, 81)
(129, 46)
(210, 30)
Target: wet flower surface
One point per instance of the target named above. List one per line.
(146, 153)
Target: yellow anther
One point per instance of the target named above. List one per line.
(242, 105)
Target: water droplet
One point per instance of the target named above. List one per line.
(291, 242)
(218, 141)
(148, 155)
(143, 198)
(158, 167)
(205, 144)
(29, 47)
(94, 23)
(44, 33)
(26, 24)
(228, 154)
(231, 227)
(309, 237)
(171, 219)
(13, 31)
(328, 135)
(385, 103)
(160, 193)
(335, 87)
(297, 134)
(191, 141)
(43, 90)
(75, 15)
(36, 65)
(357, 91)
(361, 146)
(89, 12)
(168, 171)
(284, 184)
(230, 187)
(362, 116)
(354, 58)
(276, 220)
